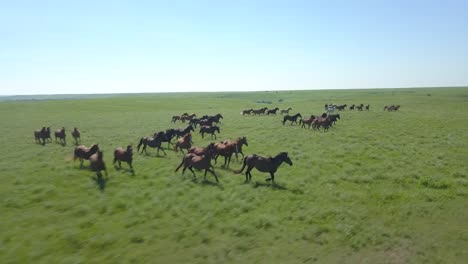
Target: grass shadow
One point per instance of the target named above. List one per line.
(269, 185)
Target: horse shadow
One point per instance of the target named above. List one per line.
(205, 182)
(132, 171)
(269, 185)
(100, 182)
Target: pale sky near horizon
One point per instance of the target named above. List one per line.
(62, 47)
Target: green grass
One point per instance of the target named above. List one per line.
(380, 187)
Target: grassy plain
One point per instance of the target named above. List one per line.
(380, 187)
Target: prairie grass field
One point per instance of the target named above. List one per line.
(378, 187)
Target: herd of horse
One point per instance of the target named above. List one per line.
(199, 158)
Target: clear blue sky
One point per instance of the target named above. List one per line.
(49, 47)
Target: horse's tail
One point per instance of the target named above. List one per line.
(139, 145)
(243, 166)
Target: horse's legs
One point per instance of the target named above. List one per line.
(190, 168)
(212, 171)
(159, 148)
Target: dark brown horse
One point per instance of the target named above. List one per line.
(209, 130)
(307, 121)
(41, 134)
(60, 134)
(187, 117)
(125, 155)
(182, 131)
(184, 143)
(246, 112)
(359, 107)
(97, 163)
(76, 135)
(82, 152)
(191, 160)
(262, 164)
(153, 142)
(272, 111)
(392, 108)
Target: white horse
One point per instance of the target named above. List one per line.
(330, 109)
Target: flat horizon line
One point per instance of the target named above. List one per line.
(230, 91)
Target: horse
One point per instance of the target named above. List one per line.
(183, 118)
(272, 111)
(184, 143)
(341, 107)
(307, 121)
(293, 118)
(334, 118)
(359, 107)
(203, 151)
(352, 107)
(76, 135)
(367, 107)
(209, 130)
(246, 112)
(82, 152)
(194, 122)
(324, 122)
(215, 118)
(60, 133)
(192, 160)
(167, 136)
(175, 118)
(237, 146)
(40, 134)
(125, 155)
(285, 111)
(264, 165)
(259, 111)
(181, 132)
(330, 109)
(206, 122)
(153, 142)
(97, 163)
(392, 108)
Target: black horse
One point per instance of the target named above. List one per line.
(293, 118)
(181, 132)
(153, 142)
(209, 130)
(264, 165)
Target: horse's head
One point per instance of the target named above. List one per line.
(324, 115)
(94, 148)
(243, 140)
(338, 116)
(129, 149)
(100, 155)
(219, 116)
(286, 158)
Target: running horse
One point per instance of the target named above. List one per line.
(184, 143)
(307, 121)
(76, 135)
(293, 118)
(262, 164)
(60, 134)
(285, 111)
(153, 142)
(82, 152)
(209, 130)
(182, 131)
(192, 160)
(125, 155)
(41, 134)
(237, 144)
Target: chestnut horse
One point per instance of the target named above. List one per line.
(236, 147)
(153, 142)
(82, 152)
(60, 133)
(184, 143)
(192, 160)
(76, 135)
(125, 155)
(262, 164)
(307, 121)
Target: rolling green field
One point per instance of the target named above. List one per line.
(379, 187)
